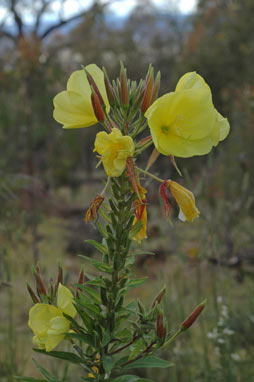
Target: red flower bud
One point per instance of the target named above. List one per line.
(124, 91)
(97, 107)
(94, 87)
(159, 297)
(193, 316)
(41, 289)
(160, 326)
(109, 88)
(146, 102)
(33, 296)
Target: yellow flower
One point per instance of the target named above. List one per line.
(185, 200)
(47, 321)
(141, 214)
(114, 149)
(185, 123)
(73, 107)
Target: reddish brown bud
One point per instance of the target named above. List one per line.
(124, 91)
(33, 296)
(94, 87)
(59, 277)
(159, 297)
(91, 213)
(193, 316)
(146, 102)
(81, 279)
(160, 326)
(97, 108)
(156, 87)
(41, 289)
(109, 88)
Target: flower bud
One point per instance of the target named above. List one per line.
(33, 296)
(109, 88)
(81, 279)
(159, 297)
(59, 277)
(124, 92)
(94, 87)
(156, 87)
(160, 325)
(146, 102)
(193, 316)
(40, 286)
(97, 107)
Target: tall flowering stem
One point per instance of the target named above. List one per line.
(108, 333)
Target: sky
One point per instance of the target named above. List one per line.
(120, 7)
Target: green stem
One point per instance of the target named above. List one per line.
(171, 339)
(149, 174)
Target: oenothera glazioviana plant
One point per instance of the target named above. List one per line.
(109, 336)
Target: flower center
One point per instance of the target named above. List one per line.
(164, 129)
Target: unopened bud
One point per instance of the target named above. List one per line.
(95, 87)
(156, 87)
(160, 325)
(40, 286)
(81, 279)
(59, 277)
(193, 316)
(92, 211)
(159, 297)
(97, 107)
(109, 88)
(124, 92)
(33, 296)
(146, 102)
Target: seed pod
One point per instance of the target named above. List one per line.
(193, 316)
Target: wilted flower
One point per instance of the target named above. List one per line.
(91, 213)
(47, 321)
(185, 123)
(114, 149)
(73, 107)
(185, 200)
(140, 214)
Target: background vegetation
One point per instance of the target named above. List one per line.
(48, 176)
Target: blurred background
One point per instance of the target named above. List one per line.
(48, 175)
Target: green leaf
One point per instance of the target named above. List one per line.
(98, 265)
(96, 282)
(45, 372)
(136, 348)
(83, 337)
(108, 363)
(67, 356)
(130, 378)
(137, 282)
(102, 230)
(106, 337)
(97, 245)
(148, 362)
(91, 293)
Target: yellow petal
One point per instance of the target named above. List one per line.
(40, 316)
(224, 126)
(73, 110)
(65, 300)
(191, 80)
